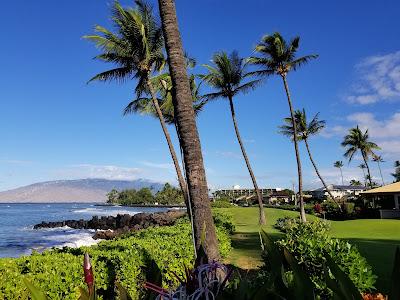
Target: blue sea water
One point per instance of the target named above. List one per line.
(17, 236)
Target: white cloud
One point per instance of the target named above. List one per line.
(378, 79)
(389, 128)
(166, 166)
(229, 154)
(100, 171)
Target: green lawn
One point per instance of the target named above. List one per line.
(376, 239)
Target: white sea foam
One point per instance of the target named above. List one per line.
(104, 212)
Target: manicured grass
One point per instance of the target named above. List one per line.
(376, 239)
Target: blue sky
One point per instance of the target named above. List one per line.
(55, 126)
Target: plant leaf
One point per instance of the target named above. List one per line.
(36, 293)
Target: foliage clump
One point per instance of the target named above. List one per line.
(310, 243)
(59, 272)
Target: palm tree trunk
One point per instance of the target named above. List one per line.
(319, 175)
(181, 180)
(380, 172)
(365, 180)
(341, 174)
(246, 159)
(300, 177)
(369, 173)
(189, 136)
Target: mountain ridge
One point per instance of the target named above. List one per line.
(74, 190)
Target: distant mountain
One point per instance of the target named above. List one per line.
(79, 190)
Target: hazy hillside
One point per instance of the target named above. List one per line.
(80, 190)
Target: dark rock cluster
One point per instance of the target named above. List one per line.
(108, 227)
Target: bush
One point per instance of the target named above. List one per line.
(59, 272)
(221, 203)
(224, 220)
(309, 243)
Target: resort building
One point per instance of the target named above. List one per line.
(338, 191)
(269, 195)
(386, 198)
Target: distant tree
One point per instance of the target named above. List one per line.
(278, 57)
(145, 196)
(355, 182)
(112, 196)
(396, 173)
(305, 130)
(169, 195)
(339, 164)
(378, 159)
(228, 78)
(355, 141)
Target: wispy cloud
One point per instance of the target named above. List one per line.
(378, 79)
(16, 162)
(99, 171)
(229, 154)
(166, 166)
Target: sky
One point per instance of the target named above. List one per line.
(53, 125)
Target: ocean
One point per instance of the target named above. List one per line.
(17, 236)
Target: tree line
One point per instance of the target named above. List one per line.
(168, 195)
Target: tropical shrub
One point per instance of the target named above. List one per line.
(310, 243)
(221, 203)
(59, 272)
(224, 220)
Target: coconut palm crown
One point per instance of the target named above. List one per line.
(277, 56)
(227, 75)
(355, 141)
(136, 47)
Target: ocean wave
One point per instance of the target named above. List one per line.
(104, 212)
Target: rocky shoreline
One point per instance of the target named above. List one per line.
(109, 227)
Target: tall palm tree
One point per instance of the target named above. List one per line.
(378, 159)
(339, 164)
(355, 141)
(189, 137)
(363, 167)
(227, 76)
(137, 49)
(304, 131)
(279, 57)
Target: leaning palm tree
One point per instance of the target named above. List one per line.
(355, 141)
(304, 131)
(227, 76)
(136, 47)
(339, 164)
(204, 229)
(279, 57)
(378, 159)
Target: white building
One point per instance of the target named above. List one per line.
(338, 191)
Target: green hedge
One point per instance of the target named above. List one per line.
(59, 271)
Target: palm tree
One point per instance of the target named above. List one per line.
(189, 137)
(304, 131)
(137, 49)
(355, 182)
(339, 164)
(227, 76)
(378, 159)
(396, 173)
(356, 141)
(278, 57)
(363, 167)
